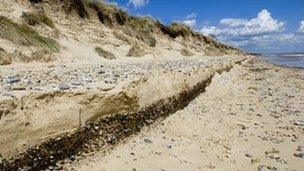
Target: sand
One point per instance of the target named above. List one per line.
(250, 118)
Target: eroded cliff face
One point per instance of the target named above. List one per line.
(38, 116)
(75, 119)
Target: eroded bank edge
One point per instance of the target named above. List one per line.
(106, 130)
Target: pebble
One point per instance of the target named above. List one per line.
(11, 79)
(63, 87)
(148, 141)
(299, 155)
(248, 155)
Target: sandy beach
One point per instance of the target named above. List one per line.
(250, 118)
(86, 86)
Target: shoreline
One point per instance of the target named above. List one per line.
(278, 65)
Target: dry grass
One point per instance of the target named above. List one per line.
(24, 35)
(104, 53)
(175, 30)
(5, 58)
(37, 18)
(76, 5)
(186, 52)
(141, 28)
(136, 51)
(122, 37)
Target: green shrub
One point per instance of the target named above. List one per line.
(24, 35)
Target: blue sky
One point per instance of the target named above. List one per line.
(255, 25)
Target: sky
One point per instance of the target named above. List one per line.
(261, 26)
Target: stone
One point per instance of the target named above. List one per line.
(87, 79)
(299, 123)
(63, 86)
(77, 83)
(11, 79)
(299, 155)
(148, 141)
(248, 155)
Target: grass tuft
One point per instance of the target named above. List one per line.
(76, 5)
(24, 35)
(104, 53)
(175, 30)
(5, 58)
(37, 18)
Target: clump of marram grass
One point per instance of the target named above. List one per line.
(104, 53)
(145, 37)
(24, 35)
(141, 29)
(175, 30)
(5, 58)
(76, 5)
(122, 37)
(136, 51)
(37, 18)
(186, 52)
(108, 14)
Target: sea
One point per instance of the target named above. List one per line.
(286, 59)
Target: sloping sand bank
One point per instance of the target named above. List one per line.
(250, 118)
(35, 118)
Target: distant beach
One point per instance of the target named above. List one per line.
(286, 59)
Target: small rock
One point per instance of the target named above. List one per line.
(148, 141)
(77, 83)
(299, 123)
(18, 87)
(64, 87)
(87, 79)
(299, 155)
(248, 155)
(11, 79)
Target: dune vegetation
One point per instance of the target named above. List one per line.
(37, 18)
(24, 35)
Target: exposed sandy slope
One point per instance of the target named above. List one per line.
(251, 118)
(31, 116)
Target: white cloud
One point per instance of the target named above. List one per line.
(233, 22)
(262, 24)
(138, 3)
(262, 33)
(190, 23)
(190, 20)
(301, 28)
(191, 16)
